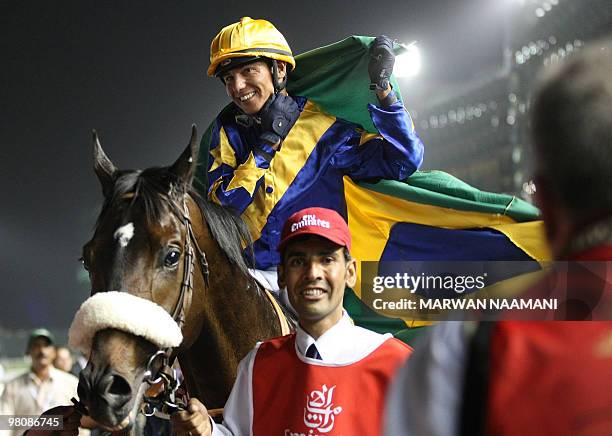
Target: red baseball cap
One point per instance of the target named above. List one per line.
(320, 221)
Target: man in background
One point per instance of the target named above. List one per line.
(43, 386)
(63, 359)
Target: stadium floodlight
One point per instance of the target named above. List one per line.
(408, 63)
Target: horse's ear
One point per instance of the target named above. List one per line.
(104, 168)
(185, 165)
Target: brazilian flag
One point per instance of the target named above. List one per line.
(430, 216)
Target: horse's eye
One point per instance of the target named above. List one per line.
(172, 258)
(82, 260)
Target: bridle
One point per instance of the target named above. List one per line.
(178, 314)
(168, 402)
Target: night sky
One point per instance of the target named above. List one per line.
(135, 71)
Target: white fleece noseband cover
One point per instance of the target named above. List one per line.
(125, 312)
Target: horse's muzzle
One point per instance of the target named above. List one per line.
(106, 394)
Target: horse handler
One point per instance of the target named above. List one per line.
(322, 378)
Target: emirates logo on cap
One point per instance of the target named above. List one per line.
(318, 221)
(310, 220)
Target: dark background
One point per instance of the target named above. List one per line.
(135, 71)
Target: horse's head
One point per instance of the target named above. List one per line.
(144, 247)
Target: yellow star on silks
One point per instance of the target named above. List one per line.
(223, 153)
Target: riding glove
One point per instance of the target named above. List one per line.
(382, 59)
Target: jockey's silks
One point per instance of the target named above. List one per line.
(307, 170)
(294, 395)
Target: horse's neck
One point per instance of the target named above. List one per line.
(235, 317)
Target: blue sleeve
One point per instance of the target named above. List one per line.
(395, 153)
(235, 170)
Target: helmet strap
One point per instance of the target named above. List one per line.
(278, 84)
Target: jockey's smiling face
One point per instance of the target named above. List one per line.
(250, 86)
(315, 271)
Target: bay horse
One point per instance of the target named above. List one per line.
(158, 240)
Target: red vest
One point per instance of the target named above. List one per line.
(553, 377)
(294, 398)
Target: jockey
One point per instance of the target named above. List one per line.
(272, 153)
(328, 366)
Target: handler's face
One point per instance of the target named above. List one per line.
(250, 86)
(316, 273)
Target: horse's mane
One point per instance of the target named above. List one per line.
(157, 190)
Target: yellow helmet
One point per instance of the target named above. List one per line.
(248, 39)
